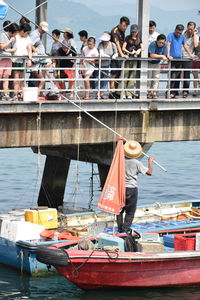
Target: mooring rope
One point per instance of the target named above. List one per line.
(39, 140)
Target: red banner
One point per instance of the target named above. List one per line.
(112, 198)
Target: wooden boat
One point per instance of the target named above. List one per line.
(21, 254)
(100, 269)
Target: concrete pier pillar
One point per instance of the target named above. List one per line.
(103, 172)
(53, 182)
(41, 15)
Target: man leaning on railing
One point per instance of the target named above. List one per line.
(158, 50)
(175, 41)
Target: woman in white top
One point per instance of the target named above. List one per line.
(23, 47)
(107, 49)
(87, 66)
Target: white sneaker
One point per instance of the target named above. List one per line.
(129, 97)
(5, 97)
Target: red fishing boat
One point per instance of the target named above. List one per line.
(94, 269)
(120, 261)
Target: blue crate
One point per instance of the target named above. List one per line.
(168, 240)
(109, 240)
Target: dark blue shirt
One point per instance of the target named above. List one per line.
(176, 44)
(154, 49)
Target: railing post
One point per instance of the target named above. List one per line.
(169, 81)
(122, 82)
(143, 23)
(99, 79)
(24, 67)
(75, 79)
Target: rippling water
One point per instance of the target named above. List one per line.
(19, 185)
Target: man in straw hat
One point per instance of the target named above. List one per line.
(133, 167)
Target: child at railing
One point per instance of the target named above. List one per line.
(87, 67)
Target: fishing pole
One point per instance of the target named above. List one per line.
(109, 128)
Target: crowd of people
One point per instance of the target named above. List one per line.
(113, 61)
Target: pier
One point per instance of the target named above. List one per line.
(61, 132)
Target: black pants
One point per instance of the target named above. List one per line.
(175, 75)
(129, 208)
(186, 75)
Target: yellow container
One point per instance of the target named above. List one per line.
(46, 217)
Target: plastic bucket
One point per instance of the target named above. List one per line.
(30, 94)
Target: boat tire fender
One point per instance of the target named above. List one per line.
(54, 257)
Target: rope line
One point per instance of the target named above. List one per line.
(106, 126)
(39, 141)
(23, 15)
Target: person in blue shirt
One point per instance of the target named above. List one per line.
(175, 42)
(157, 49)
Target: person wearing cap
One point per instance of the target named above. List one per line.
(107, 49)
(38, 50)
(36, 37)
(118, 37)
(70, 49)
(69, 37)
(133, 167)
(131, 47)
(66, 66)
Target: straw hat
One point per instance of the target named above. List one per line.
(105, 37)
(44, 25)
(132, 149)
(68, 30)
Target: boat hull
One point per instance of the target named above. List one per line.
(94, 271)
(22, 256)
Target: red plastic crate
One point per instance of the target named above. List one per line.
(185, 242)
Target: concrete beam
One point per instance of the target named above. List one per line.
(158, 122)
(101, 154)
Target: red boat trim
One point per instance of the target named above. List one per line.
(137, 256)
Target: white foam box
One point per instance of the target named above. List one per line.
(20, 230)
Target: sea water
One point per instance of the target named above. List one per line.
(20, 177)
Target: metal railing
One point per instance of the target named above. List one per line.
(137, 78)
